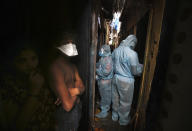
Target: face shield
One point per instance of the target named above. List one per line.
(105, 50)
(132, 45)
(68, 49)
(101, 52)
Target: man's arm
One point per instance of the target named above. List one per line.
(67, 100)
(136, 67)
(79, 83)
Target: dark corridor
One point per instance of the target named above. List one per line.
(165, 104)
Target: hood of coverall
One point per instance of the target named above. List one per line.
(130, 41)
(69, 49)
(105, 50)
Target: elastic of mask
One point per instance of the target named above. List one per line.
(68, 49)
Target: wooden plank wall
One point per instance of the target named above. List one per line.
(93, 53)
(152, 44)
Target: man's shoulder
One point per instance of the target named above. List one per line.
(115, 50)
(132, 53)
(55, 64)
(61, 64)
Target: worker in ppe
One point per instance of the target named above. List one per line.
(104, 71)
(126, 66)
(67, 85)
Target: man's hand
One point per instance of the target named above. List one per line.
(74, 91)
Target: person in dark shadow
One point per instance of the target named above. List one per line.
(26, 103)
(66, 83)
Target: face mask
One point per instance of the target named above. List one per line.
(68, 49)
(132, 45)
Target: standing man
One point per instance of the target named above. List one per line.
(104, 73)
(67, 85)
(126, 66)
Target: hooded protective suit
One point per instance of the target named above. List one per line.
(104, 72)
(126, 66)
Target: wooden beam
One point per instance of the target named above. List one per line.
(93, 52)
(146, 63)
(155, 39)
(151, 52)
